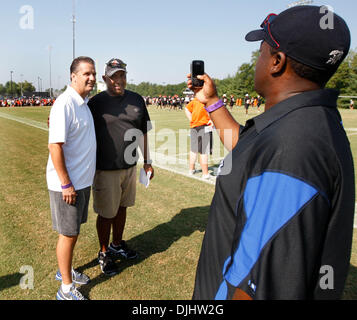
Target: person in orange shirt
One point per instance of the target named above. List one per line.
(201, 136)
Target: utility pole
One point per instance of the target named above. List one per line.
(11, 72)
(39, 84)
(74, 28)
(21, 75)
(50, 48)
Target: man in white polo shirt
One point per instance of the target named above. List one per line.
(71, 169)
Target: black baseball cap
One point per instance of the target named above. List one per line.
(311, 35)
(114, 65)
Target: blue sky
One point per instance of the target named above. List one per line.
(156, 38)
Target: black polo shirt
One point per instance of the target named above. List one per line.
(119, 121)
(281, 220)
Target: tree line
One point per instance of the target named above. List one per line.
(12, 88)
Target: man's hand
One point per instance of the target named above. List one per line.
(147, 168)
(69, 195)
(206, 94)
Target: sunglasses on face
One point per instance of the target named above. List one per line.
(266, 26)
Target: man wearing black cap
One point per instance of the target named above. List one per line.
(281, 221)
(121, 123)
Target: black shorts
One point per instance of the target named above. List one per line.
(201, 141)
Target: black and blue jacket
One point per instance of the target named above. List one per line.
(283, 209)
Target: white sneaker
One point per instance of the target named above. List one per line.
(192, 172)
(73, 294)
(206, 176)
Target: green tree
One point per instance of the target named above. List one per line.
(27, 87)
(242, 82)
(352, 60)
(12, 88)
(341, 79)
(150, 89)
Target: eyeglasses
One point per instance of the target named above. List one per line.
(116, 64)
(266, 26)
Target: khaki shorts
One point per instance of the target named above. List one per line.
(113, 189)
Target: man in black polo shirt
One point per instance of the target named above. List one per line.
(121, 123)
(281, 220)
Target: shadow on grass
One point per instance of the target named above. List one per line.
(10, 280)
(350, 291)
(156, 240)
(212, 169)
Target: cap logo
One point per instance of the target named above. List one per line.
(335, 56)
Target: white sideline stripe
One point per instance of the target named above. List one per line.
(37, 125)
(212, 181)
(352, 134)
(159, 157)
(32, 123)
(350, 129)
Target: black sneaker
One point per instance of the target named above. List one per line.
(123, 250)
(107, 264)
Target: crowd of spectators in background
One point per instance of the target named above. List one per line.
(26, 102)
(176, 102)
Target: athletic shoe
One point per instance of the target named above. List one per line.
(206, 176)
(191, 172)
(73, 294)
(123, 250)
(77, 277)
(107, 264)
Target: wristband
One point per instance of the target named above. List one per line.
(215, 106)
(147, 161)
(67, 186)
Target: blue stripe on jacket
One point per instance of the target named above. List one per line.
(270, 201)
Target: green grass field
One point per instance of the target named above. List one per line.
(166, 225)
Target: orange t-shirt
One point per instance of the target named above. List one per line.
(200, 116)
